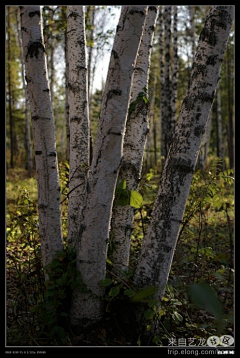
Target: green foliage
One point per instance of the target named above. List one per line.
(124, 196)
(198, 301)
(204, 297)
(63, 278)
(141, 98)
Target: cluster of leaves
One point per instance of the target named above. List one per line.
(198, 301)
(54, 308)
(124, 196)
(24, 274)
(141, 98)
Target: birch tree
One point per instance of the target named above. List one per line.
(78, 118)
(159, 243)
(175, 67)
(107, 157)
(27, 139)
(191, 9)
(43, 132)
(166, 129)
(220, 146)
(134, 144)
(10, 90)
(230, 129)
(64, 15)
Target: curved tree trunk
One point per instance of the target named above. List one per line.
(134, 144)
(159, 244)
(78, 119)
(107, 156)
(43, 133)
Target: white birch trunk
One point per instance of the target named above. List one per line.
(43, 133)
(78, 119)
(163, 124)
(107, 156)
(175, 67)
(134, 144)
(159, 244)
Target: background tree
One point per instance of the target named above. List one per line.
(27, 139)
(43, 133)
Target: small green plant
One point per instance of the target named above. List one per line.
(124, 196)
(142, 99)
(63, 278)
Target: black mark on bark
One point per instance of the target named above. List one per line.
(152, 8)
(112, 93)
(211, 60)
(52, 154)
(27, 79)
(38, 152)
(198, 130)
(115, 54)
(33, 13)
(208, 36)
(33, 49)
(75, 119)
(136, 11)
(42, 206)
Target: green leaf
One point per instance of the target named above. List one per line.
(114, 291)
(109, 261)
(149, 176)
(136, 199)
(177, 317)
(129, 292)
(106, 282)
(148, 314)
(204, 297)
(122, 184)
(143, 294)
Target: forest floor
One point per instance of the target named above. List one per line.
(199, 298)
